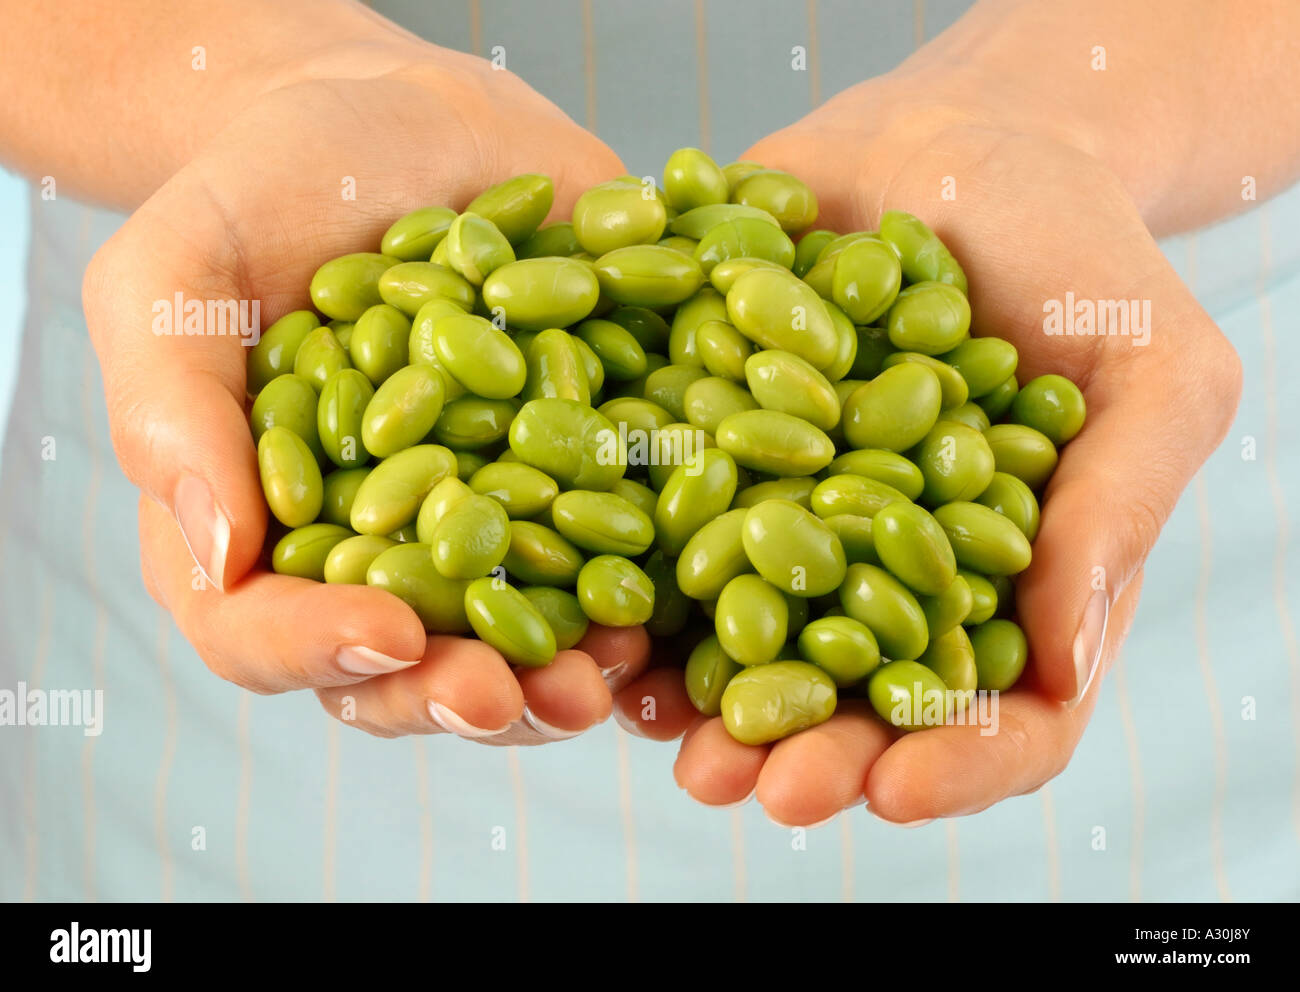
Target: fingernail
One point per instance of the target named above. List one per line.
(1088, 643)
(365, 661)
(205, 528)
(627, 724)
(909, 825)
(546, 729)
(613, 673)
(454, 724)
(740, 802)
(803, 826)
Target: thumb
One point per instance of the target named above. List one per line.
(1153, 420)
(176, 399)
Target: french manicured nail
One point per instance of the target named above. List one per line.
(1088, 643)
(913, 824)
(545, 729)
(366, 661)
(740, 802)
(613, 673)
(205, 528)
(804, 826)
(453, 723)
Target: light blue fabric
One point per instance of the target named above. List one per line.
(295, 806)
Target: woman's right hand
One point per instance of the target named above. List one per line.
(250, 218)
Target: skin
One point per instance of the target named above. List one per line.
(234, 174)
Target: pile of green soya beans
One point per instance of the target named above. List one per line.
(682, 409)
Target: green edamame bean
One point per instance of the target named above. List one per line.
(951, 657)
(441, 498)
(412, 237)
(808, 248)
(1051, 405)
(348, 561)
(474, 422)
(888, 467)
(420, 348)
(618, 214)
(723, 349)
(536, 293)
(343, 331)
(390, 496)
(773, 701)
(649, 329)
(346, 287)
(699, 221)
(340, 490)
(667, 387)
(672, 608)
(841, 647)
(929, 317)
(873, 597)
(999, 400)
(562, 613)
(522, 490)
(302, 552)
(476, 248)
(956, 461)
(895, 410)
(571, 443)
(620, 354)
(953, 386)
(949, 608)
(471, 538)
(724, 274)
(708, 671)
(504, 617)
(873, 348)
(540, 556)
(854, 533)
(776, 310)
(674, 446)
(410, 285)
(1001, 652)
(744, 237)
(291, 478)
(984, 598)
(405, 535)
(467, 463)
(340, 418)
(695, 493)
(647, 276)
(969, 413)
(554, 368)
(592, 366)
(787, 383)
(1021, 451)
(692, 179)
(631, 414)
(319, 356)
(287, 401)
(406, 570)
(783, 196)
(482, 358)
(913, 546)
(985, 363)
(909, 695)
(709, 401)
(924, 257)
(402, 411)
(638, 494)
(866, 279)
(847, 344)
(774, 442)
(1006, 593)
(516, 206)
(796, 490)
(982, 540)
(714, 555)
(793, 549)
(683, 345)
(554, 240)
(380, 342)
(1007, 495)
(615, 592)
(856, 494)
(602, 522)
(276, 349)
(751, 619)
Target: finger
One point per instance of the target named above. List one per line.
(621, 653)
(561, 700)
(818, 772)
(716, 769)
(655, 705)
(957, 770)
(460, 686)
(273, 633)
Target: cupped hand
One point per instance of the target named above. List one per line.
(250, 218)
(1031, 219)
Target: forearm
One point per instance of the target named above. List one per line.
(1182, 99)
(109, 97)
